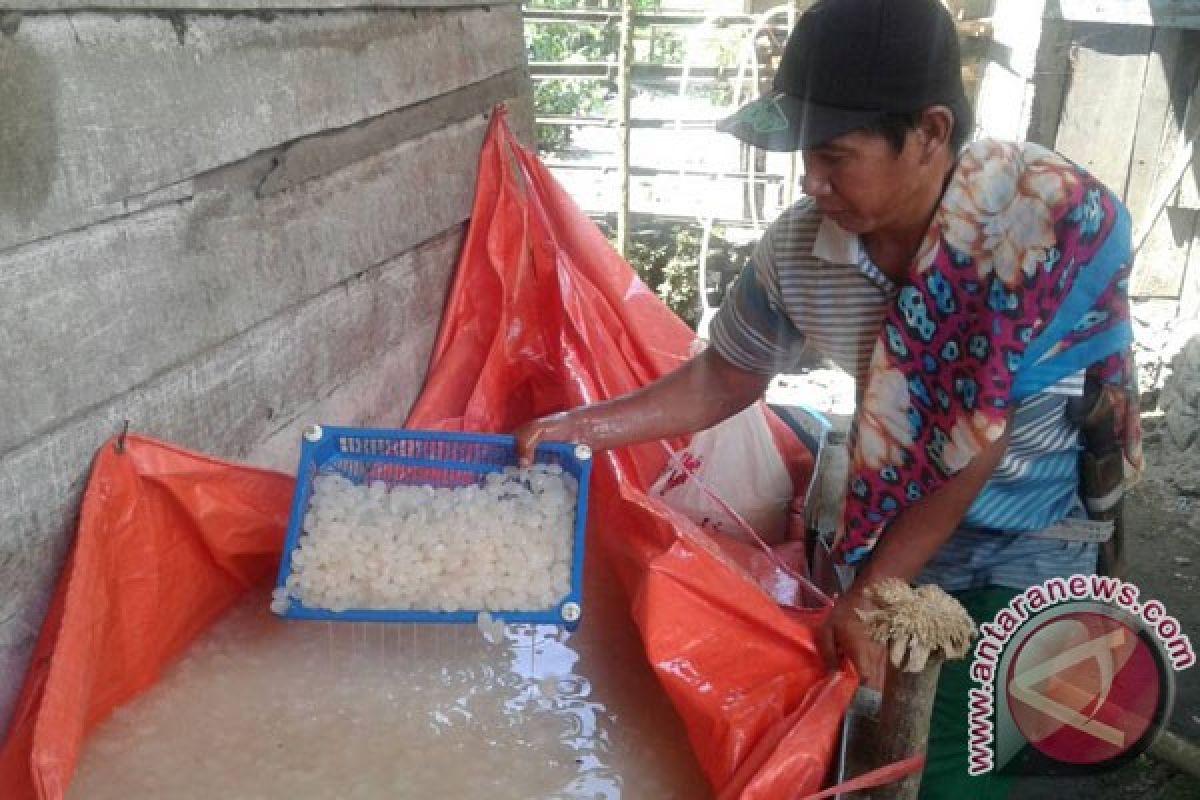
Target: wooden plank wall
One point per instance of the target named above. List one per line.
(1131, 90)
(1130, 93)
(221, 222)
(1114, 94)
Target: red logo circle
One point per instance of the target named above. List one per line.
(1084, 688)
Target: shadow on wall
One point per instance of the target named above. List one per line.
(28, 133)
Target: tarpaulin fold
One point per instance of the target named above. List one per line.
(167, 541)
(543, 315)
(576, 325)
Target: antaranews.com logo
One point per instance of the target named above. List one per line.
(1086, 685)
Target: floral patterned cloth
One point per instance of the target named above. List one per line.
(1020, 281)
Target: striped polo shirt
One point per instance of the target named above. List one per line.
(810, 283)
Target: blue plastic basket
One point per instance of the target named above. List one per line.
(428, 458)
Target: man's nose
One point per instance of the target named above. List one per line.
(815, 184)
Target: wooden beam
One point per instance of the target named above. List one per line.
(1108, 73)
(542, 16)
(1051, 73)
(84, 141)
(642, 172)
(1153, 13)
(691, 124)
(624, 106)
(605, 69)
(1152, 123)
(1189, 292)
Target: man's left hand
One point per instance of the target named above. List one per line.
(845, 635)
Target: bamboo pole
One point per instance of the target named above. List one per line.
(624, 103)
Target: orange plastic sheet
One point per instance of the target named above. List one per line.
(167, 542)
(544, 316)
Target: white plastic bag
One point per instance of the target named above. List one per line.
(738, 462)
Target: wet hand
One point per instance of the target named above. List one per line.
(554, 427)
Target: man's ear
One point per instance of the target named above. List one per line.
(934, 129)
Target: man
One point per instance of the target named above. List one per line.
(903, 267)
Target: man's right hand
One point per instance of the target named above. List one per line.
(553, 427)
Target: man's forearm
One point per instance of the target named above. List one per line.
(922, 528)
(902, 552)
(694, 397)
(698, 395)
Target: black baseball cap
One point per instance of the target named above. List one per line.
(849, 62)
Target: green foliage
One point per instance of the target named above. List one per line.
(561, 43)
(564, 42)
(666, 258)
(666, 47)
(571, 98)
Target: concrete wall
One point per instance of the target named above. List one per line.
(222, 221)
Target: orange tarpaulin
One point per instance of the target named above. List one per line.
(543, 315)
(168, 540)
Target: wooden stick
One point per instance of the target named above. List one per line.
(921, 628)
(904, 723)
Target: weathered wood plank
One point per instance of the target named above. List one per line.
(315, 156)
(240, 6)
(356, 355)
(1163, 256)
(103, 108)
(1156, 13)
(1188, 197)
(1051, 72)
(1189, 292)
(364, 400)
(1187, 104)
(1099, 114)
(1158, 271)
(1003, 104)
(1153, 116)
(80, 311)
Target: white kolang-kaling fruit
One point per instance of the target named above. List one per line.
(503, 545)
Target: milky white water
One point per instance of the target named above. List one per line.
(261, 708)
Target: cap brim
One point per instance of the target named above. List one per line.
(784, 123)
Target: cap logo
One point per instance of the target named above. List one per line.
(764, 116)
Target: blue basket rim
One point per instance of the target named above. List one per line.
(553, 615)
